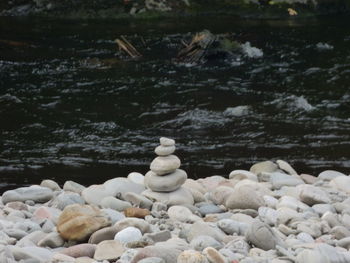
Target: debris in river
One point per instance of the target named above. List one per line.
(11, 43)
(127, 47)
(198, 47)
(292, 12)
(206, 46)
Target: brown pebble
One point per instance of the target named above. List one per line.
(136, 212)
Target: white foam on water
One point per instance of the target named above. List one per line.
(252, 52)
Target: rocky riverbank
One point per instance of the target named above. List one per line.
(165, 8)
(270, 213)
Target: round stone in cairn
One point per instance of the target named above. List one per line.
(163, 165)
(166, 141)
(166, 183)
(164, 150)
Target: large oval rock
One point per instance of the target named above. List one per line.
(243, 174)
(94, 194)
(164, 150)
(262, 236)
(180, 196)
(266, 166)
(245, 197)
(165, 164)
(182, 214)
(35, 193)
(312, 195)
(167, 183)
(78, 222)
(341, 183)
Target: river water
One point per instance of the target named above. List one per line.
(71, 108)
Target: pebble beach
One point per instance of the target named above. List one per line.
(269, 213)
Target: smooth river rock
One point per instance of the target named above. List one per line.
(312, 195)
(266, 166)
(165, 164)
(167, 183)
(109, 250)
(35, 193)
(262, 236)
(180, 196)
(78, 222)
(245, 197)
(243, 174)
(166, 141)
(129, 234)
(164, 150)
(341, 183)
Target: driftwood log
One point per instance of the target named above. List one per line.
(127, 47)
(197, 49)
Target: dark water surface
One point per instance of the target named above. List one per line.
(70, 109)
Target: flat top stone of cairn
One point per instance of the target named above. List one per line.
(166, 141)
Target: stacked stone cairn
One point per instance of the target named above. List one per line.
(165, 175)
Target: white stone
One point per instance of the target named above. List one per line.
(305, 237)
(164, 150)
(180, 196)
(341, 183)
(291, 202)
(243, 174)
(52, 240)
(268, 215)
(128, 234)
(73, 187)
(280, 179)
(245, 197)
(50, 184)
(266, 166)
(283, 165)
(323, 253)
(262, 236)
(232, 227)
(165, 183)
(35, 193)
(286, 215)
(182, 214)
(113, 215)
(201, 242)
(165, 164)
(209, 229)
(329, 175)
(114, 203)
(166, 141)
(311, 195)
(109, 250)
(220, 194)
(31, 253)
(136, 178)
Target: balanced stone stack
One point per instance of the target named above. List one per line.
(165, 179)
(165, 175)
